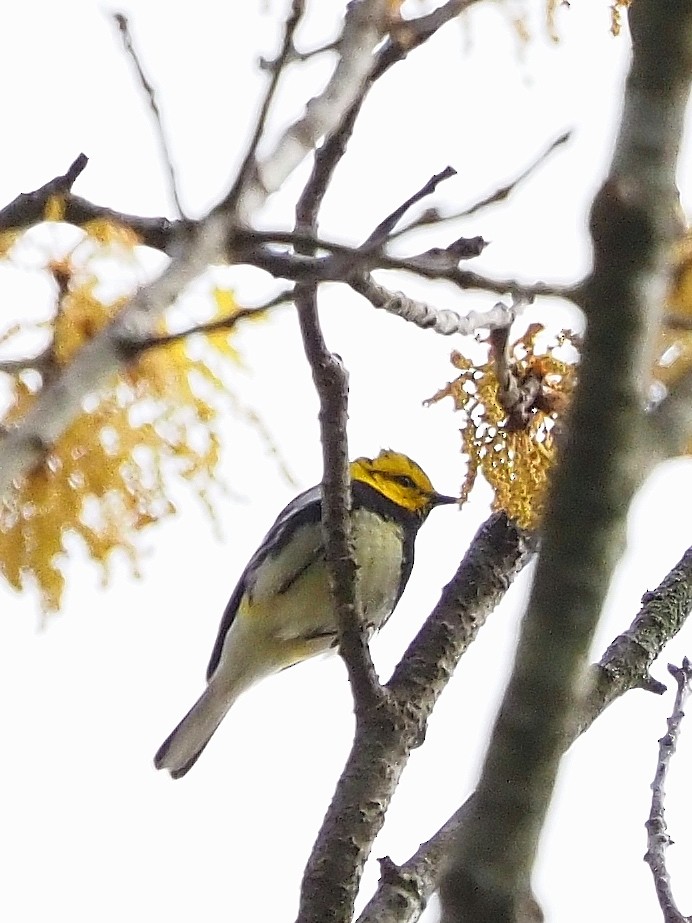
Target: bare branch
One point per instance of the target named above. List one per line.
(123, 25)
(255, 248)
(433, 216)
(206, 327)
(404, 891)
(383, 230)
(30, 207)
(386, 736)
(428, 317)
(625, 665)
(365, 23)
(324, 897)
(498, 552)
(276, 70)
(156, 232)
(39, 363)
(658, 839)
(633, 232)
(331, 381)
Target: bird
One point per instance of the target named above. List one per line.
(281, 611)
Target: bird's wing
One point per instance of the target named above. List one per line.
(305, 508)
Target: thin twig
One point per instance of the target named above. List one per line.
(432, 216)
(657, 836)
(270, 64)
(365, 23)
(39, 362)
(142, 344)
(256, 248)
(29, 207)
(285, 55)
(404, 891)
(383, 230)
(123, 25)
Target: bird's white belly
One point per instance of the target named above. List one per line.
(290, 593)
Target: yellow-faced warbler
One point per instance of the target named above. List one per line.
(281, 611)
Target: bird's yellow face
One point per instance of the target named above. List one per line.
(399, 479)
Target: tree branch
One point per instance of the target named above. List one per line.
(365, 23)
(30, 207)
(386, 736)
(142, 344)
(331, 383)
(60, 400)
(632, 228)
(404, 891)
(257, 248)
(249, 164)
(123, 25)
(384, 229)
(428, 317)
(658, 839)
(625, 665)
(434, 217)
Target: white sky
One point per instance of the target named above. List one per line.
(89, 830)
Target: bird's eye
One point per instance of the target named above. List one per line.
(405, 481)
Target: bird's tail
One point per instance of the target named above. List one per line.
(182, 748)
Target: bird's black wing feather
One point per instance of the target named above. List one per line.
(305, 508)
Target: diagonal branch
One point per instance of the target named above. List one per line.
(365, 23)
(404, 891)
(219, 325)
(278, 67)
(625, 665)
(434, 217)
(386, 736)
(384, 229)
(123, 25)
(30, 207)
(633, 231)
(657, 835)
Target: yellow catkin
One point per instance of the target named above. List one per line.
(109, 474)
(515, 462)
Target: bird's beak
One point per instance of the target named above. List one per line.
(439, 499)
